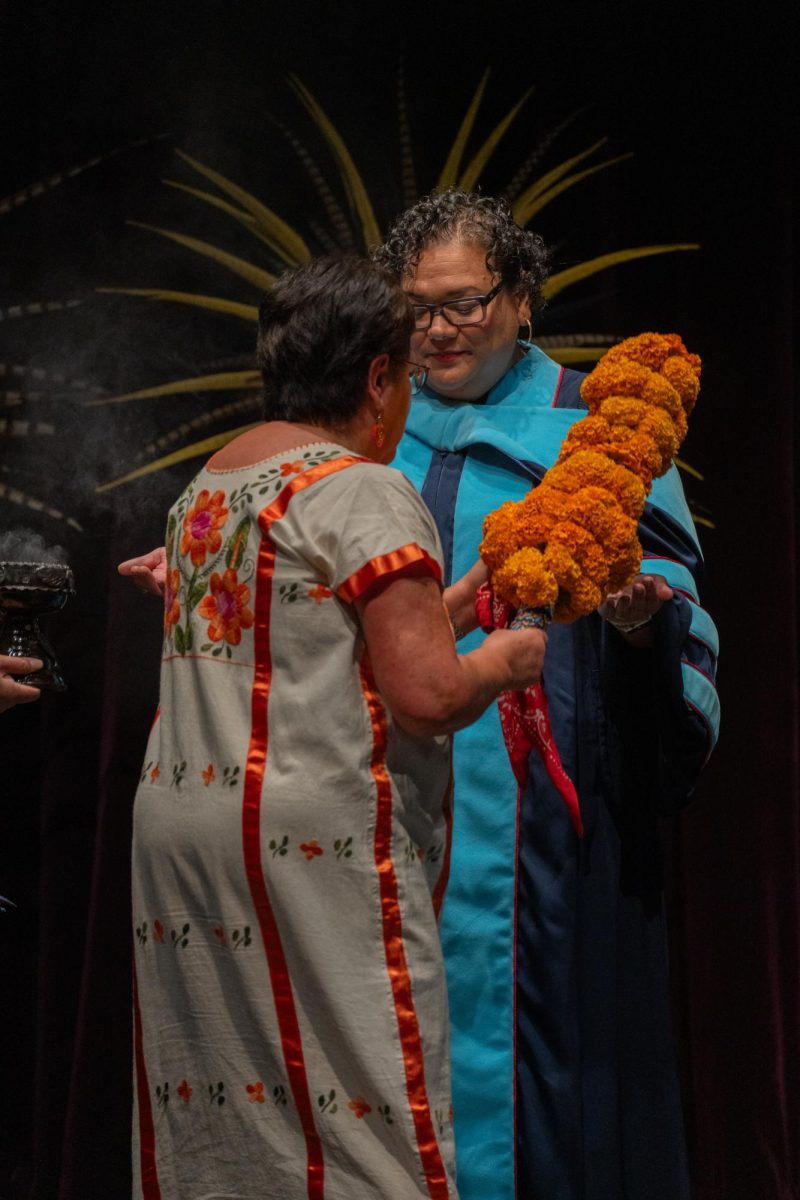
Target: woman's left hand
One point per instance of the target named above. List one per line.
(148, 571)
(635, 605)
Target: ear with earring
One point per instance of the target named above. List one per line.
(378, 433)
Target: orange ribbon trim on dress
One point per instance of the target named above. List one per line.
(396, 964)
(151, 1189)
(385, 564)
(280, 982)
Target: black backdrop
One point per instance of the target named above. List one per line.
(704, 105)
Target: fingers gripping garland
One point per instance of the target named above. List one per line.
(572, 540)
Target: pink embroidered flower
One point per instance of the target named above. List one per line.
(184, 1091)
(154, 774)
(158, 930)
(255, 1092)
(201, 526)
(359, 1106)
(209, 775)
(172, 608)
(226, 608)
(319, 593)
(311, 849)
(292, 468)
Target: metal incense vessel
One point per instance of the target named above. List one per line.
(28, 591)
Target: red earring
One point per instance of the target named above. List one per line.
(378, 432)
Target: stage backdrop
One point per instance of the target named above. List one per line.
(132, 132)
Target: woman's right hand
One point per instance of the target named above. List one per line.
(148, 571)
(522, 651)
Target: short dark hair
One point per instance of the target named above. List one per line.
(517, 255)
(319, 328)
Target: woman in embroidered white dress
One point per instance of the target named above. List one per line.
(292, 826)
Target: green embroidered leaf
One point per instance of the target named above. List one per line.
(172, 525)
(196, 593)
(237, 544)
(189, 638)
(180, 644)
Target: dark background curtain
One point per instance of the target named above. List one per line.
(702, 99)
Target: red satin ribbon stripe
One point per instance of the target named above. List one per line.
(147, 1138)
(396, 964)
(280, 982)
(385, 564)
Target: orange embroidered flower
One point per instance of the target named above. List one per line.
(154, 774)
(184, 1091)
(172, 608)
(209, 775)
(573, 539)
(311, 849)
(158, 930)
(292, 468)
(359, 1106)
(219, 933)
(226, 608)
(255, 1092)
(201, 526)
(319, 593)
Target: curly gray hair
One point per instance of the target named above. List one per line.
(517, 255)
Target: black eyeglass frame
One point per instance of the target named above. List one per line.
(433, 309)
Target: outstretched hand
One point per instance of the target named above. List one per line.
(636, 603)
(148, 571)
(11, 692)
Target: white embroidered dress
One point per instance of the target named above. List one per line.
(291, 848)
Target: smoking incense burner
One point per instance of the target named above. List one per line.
(28, 591)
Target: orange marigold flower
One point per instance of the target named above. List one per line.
(311, 849)
(226, 608)
(158, 930)
(524, 579)
(201, 526)
(255, 1092)
(209, 775)
(623, 410)
(292, 468)
(359, 1106)
(172, 608)
(685, 378)
(319, 593)
(154, 774)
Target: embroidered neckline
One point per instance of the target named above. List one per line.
(271, 458)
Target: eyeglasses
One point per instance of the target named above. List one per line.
(469, 310)
(419, 374)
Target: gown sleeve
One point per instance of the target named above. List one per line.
(676, 681)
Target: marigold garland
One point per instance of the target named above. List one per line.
(572, 540)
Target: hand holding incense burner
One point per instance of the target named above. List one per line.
(29, 590)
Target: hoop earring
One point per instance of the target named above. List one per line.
(530, 331)
(378, 433)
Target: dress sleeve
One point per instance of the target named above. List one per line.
(369, 522)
